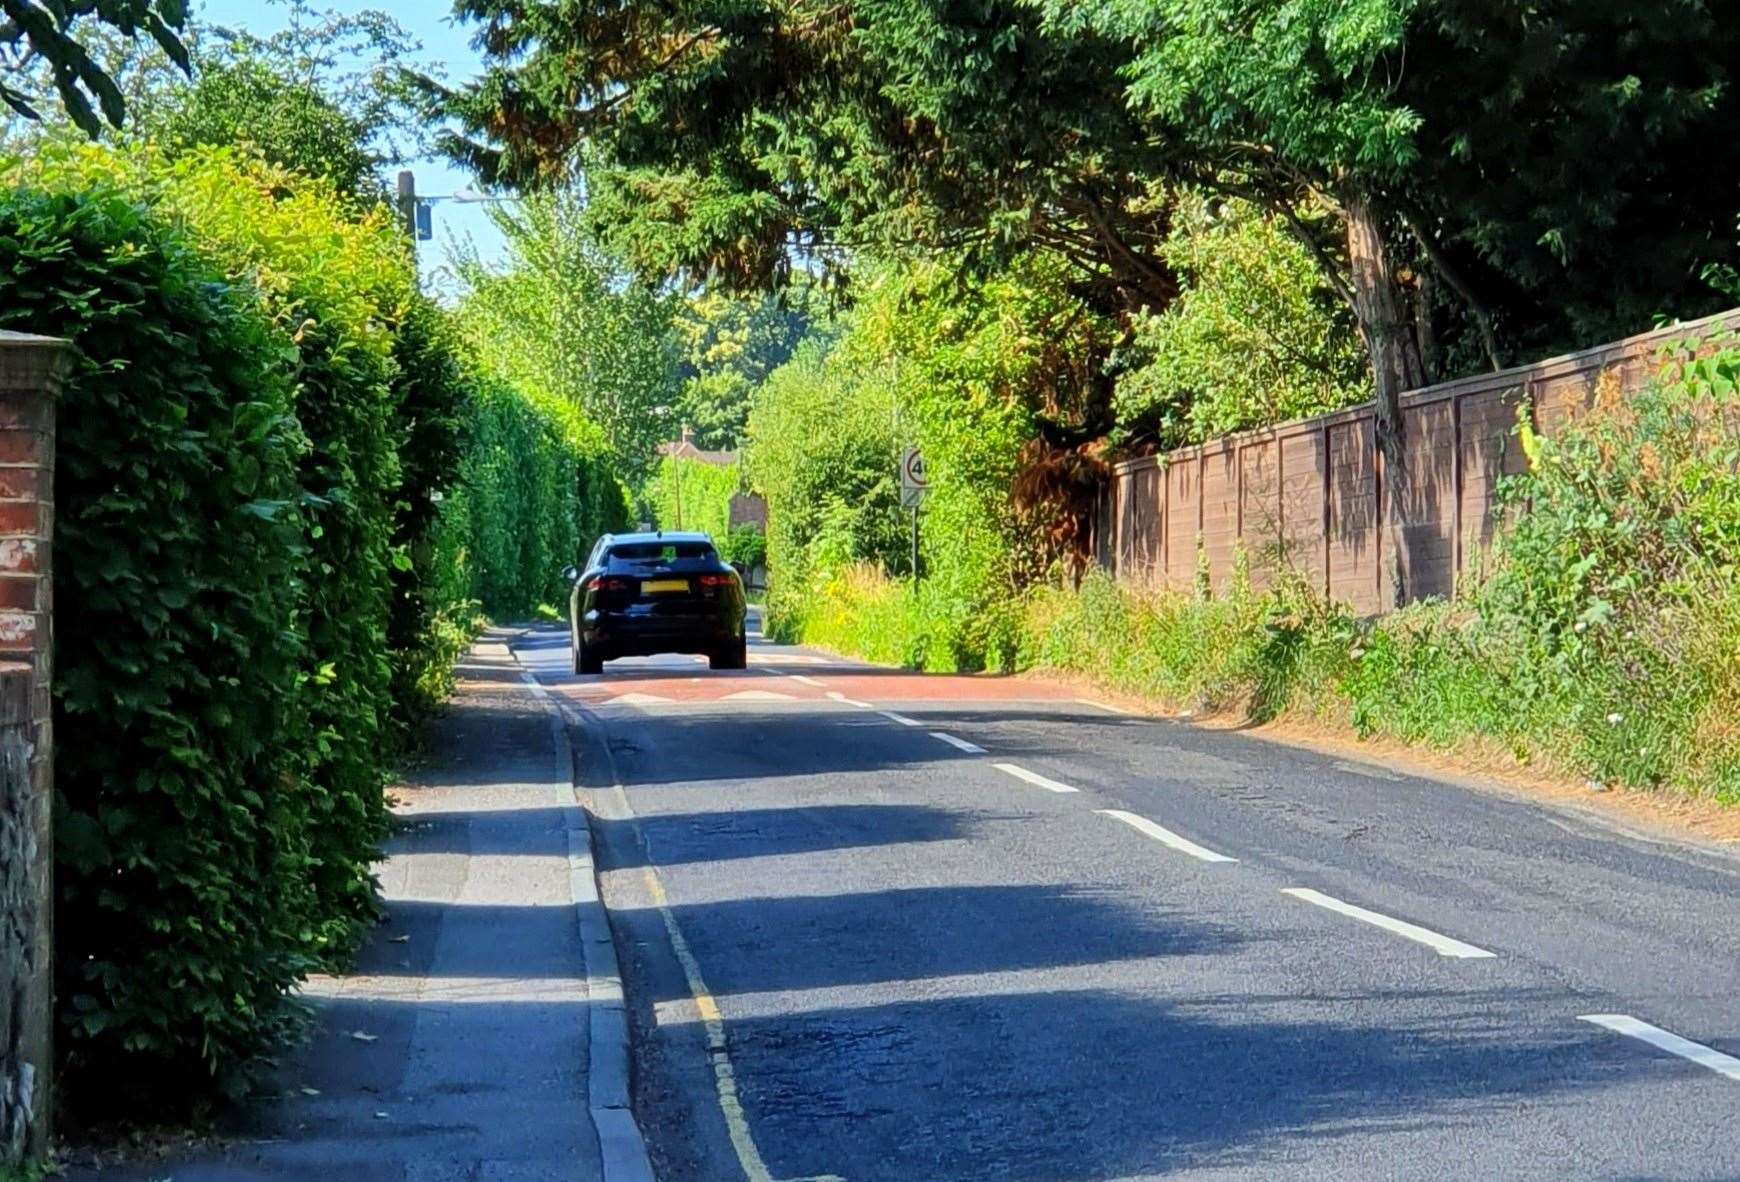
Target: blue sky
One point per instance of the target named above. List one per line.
(447, 50)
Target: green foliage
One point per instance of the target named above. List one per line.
(187, 819)
(429, 620)
(691, 495)
(289, 121)
(264, 225)
(822, 451)
(247, 779)
(1620, 577)
(719, 136)
(278, 495)
(729, 346)
(1602, 644)
(1254, 337)
(965, 373)
(535, 487)
(559, 318)
(745, 547)
(53, 31)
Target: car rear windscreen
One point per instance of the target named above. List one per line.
(653, 553)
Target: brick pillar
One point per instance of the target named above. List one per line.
(29, 380)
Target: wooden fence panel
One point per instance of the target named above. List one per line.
(1260, 507)
(1313, 494)
(1426, 509)
(1304, 502)
(1220, 511)
(1353, 533)
(1145, 510)
(1183, 515)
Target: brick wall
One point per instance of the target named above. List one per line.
(28, 382)
(1312, 494)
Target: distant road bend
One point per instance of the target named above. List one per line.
(877, 925)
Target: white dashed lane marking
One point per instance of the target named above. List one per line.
(958, 744)
(1165, 836)
(1442, 945)
(1667, 1040)
(1034, 778)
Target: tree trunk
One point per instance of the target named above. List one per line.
(1384, 320)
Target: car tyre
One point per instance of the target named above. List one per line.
(587, 659)
(732, 656)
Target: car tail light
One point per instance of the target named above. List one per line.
(603, 584)
(716, 580)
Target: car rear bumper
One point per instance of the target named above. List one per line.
(625, 636)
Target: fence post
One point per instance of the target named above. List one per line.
(29, 380)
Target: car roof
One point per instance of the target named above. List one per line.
(659, 536)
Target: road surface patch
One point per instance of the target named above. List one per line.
(1442, 945)
(1034, 778)
(1365, 769)
(1165, 836)
(958, 744)
(1667, 1040)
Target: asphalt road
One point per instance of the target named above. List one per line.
(857, 949)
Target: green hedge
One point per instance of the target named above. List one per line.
(535, 489)
(279, 493)
(204, 870)
(338, 280)
(186, 820)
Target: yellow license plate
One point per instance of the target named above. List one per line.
(652, 586)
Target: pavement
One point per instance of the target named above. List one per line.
(482, 1036)
(876, 925)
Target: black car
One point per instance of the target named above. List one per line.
(656, 593)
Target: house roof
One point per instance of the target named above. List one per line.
(685, 449)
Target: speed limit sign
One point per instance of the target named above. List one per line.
(913, 485)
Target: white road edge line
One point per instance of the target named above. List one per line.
(1165, 836)
(902, 719)
(842, 698)
(1673, 1044)
(958, 744)
(1100, 706)
(805, 680)
(1021, 773)
(1442, 945)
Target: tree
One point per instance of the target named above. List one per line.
(1255, 337)
(290, 122)
(1502, 175)
(561, 318)
(53, 32)
(729, 139)
(1500, 148)
(50, 34)
(729, 346)
(356, 61)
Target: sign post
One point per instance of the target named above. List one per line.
(913, 487)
